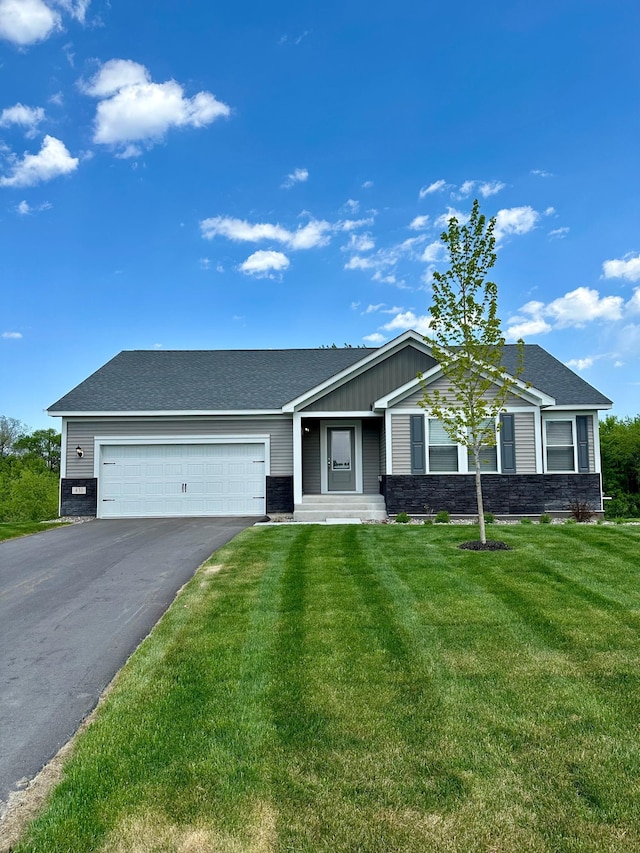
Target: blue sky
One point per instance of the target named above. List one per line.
(248, 175)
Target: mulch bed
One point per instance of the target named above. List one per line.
(489, 545)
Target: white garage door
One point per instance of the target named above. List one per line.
(181, 480)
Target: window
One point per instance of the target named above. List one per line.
(443, 451)
(560, 446)
(488, 455)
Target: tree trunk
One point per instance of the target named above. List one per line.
(483, 532)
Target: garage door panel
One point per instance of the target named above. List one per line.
(182, 480)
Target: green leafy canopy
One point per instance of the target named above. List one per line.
(466, 339)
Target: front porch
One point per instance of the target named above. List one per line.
(338, 464)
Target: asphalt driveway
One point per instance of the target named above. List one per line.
(74, 603)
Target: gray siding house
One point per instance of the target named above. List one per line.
(317, 432)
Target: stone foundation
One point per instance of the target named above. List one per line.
(280, 494)
(504, 494)
(83, 504)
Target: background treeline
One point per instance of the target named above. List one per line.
(30, 468)
(29, 472)
(620, 448)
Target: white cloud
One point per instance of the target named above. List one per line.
(582, 306)
(77, 9)
(489, 188)
(541, 173)
(352, 224)
(387, 279)
(24, 208)
(515, 220)
(419, 223)
(14, 336)
(52, 160)
(466, 188)
(408, 320)
(26, 117)
(262, 264)
(26, 22)
(560, 233)
(575, 309)
(526, 328)
(205, 263)
(360, 243)
(371, 309)
(375, 339)
(627, 267)
(313, 234)
(443, 220)
(549, 211)
(134, 109)
(352, 205)
(434, 252)
(633, 305)
(359, 263)
(367, 185)
(298, 176)
(435, 187)
(581, 363)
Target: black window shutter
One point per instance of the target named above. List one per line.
(582, 429)
(417, 445)
(508, 444)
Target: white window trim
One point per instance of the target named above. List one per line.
(559, 416)
(324, 480)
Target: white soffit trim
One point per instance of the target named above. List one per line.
(356, 369)
(582, 407)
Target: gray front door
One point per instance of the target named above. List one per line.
(341, 452)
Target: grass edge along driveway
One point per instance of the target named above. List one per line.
(374, 688)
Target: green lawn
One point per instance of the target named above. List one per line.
(374, 688)
(13, 529)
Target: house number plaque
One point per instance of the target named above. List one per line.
(78, 490)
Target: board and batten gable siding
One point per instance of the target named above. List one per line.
(381, 379)
(442, 384)
(524, 429)
(311, 478)
(82, 432)
(371, 456)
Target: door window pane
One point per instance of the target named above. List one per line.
(341, 450)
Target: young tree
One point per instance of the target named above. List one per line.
(11, 429)
(467, 342)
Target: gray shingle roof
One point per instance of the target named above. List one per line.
(205, 380)
(232, 380)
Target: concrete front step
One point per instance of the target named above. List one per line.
(321, 507)
(333, 514)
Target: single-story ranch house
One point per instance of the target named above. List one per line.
(317, 432)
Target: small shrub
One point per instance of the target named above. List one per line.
(526, 521)
(442, 517)
(545, 518)
(428, 521)
(571, 521)
(402, 518)
(581, 511)
(489, 518)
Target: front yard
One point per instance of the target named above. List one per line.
(375, 689)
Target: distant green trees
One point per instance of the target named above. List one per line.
(29, 471)
(620, 449)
